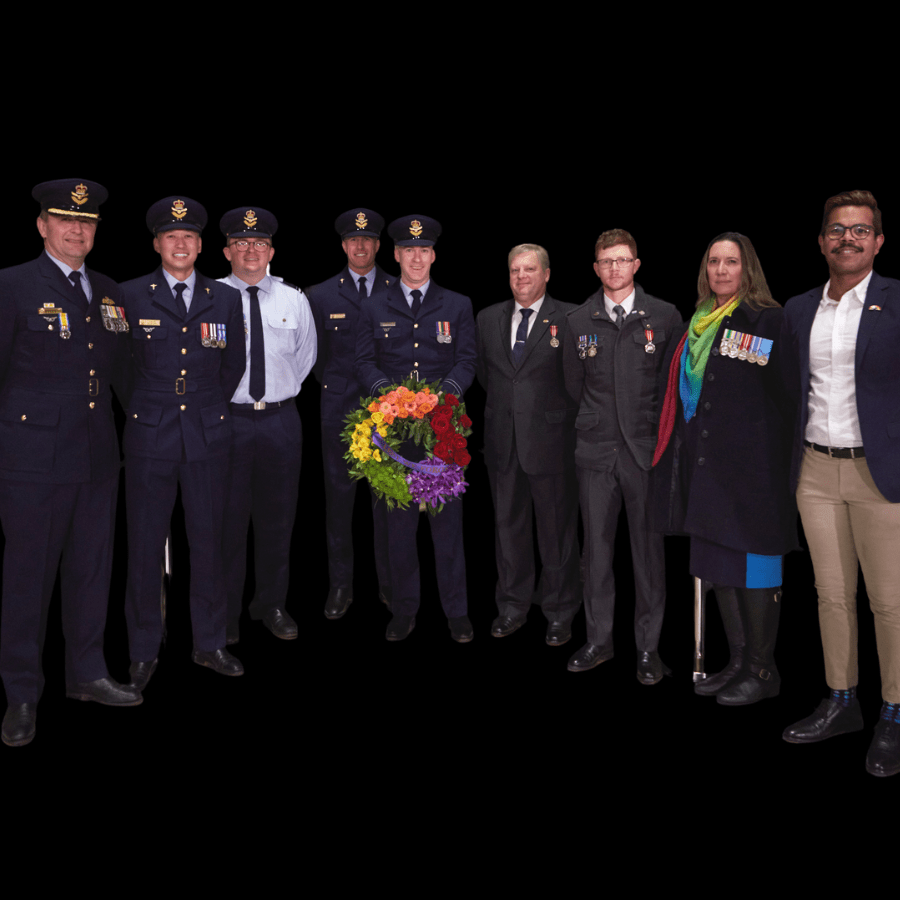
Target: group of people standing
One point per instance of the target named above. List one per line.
(718, 428)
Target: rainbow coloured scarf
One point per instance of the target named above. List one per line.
(700, 339)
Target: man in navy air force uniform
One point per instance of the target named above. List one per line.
(63, 341)
(398, 338)
(336, 306)
(187, 361)
(280, 346)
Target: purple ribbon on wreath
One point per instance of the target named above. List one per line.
(431, 480)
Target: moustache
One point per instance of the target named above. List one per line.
(846, 246)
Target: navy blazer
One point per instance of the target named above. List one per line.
(181, 389)
(527, 405)
(335, 308)
(56, 420)
(877, 373)
(392, 342)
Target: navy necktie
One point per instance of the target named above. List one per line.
(417, 301)
(257, 348)
(362, 288)
(80, 296)
(521, 336)
(179, 299)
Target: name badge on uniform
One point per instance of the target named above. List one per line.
(337, 316)
(443, 332)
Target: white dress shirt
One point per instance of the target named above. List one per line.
(517, 319)
(832, 418)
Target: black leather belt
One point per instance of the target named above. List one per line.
(838, 452)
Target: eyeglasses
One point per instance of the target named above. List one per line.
(620, 263)
(257, 245)
(858, 231)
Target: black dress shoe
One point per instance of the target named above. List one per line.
(232, 634)
(589, 657)
(220, 661)
(503, 626)
(883, 758)
(558, 633)
(461, 629)
(829, 720)
(400, 627)
(107, 692)
(140, 673)
(650, 668)
(338, 602)
(18, 725)
(280, 624)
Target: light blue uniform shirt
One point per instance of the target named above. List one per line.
(289, 335)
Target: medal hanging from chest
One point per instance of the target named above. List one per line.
(113, 316)
(443, 332)
(747, 347)
(212, 335)
(64, 331)
(554, 340)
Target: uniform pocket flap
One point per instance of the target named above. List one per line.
(214, 415)
(587, 420)
(30, 413)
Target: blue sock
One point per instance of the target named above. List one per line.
(844, 698)
(891, 712)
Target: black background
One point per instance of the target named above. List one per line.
(343, 708)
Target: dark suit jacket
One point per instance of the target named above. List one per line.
(617, 389)
(392, 342)
(527, 406)
(877, 373)
(335, 308)
(156, 425)
(56, 421)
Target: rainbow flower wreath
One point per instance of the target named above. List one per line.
(404, 412)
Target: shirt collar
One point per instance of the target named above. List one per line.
(856, 294)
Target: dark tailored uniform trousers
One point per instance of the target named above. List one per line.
(263, 483)
(553, 497)
(52, 535)
(602, 493)
(449, 562)
(340, 495)
(151, 486)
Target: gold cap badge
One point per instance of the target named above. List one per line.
(361, 220)
(415, 228)
(179, 210)
(250, 218)
(80, 195)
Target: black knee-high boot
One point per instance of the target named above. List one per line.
(726, 597)
(759, 679)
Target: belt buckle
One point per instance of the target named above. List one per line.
(259, 404)
(182, 387)
(93, 387)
